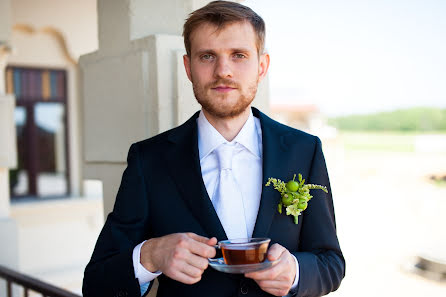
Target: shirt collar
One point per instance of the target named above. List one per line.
(209, 138)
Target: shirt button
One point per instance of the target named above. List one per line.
(244, 289)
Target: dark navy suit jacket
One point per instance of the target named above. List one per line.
(162, 192)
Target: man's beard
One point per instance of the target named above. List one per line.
(212, 106)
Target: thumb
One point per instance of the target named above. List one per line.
(275, 251)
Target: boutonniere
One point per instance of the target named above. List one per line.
(294, 195)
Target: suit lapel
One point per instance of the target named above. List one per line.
(274, 165)
(183, 163)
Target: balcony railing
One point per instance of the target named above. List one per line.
(30, 284)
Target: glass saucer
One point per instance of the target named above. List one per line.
(220, 265)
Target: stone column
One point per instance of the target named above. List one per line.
(8, 159)
(8, 154)
(8, 150)
(135, 85)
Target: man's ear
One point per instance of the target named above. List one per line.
(263, 66)
(186, 61)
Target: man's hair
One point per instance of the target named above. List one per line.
(220, 14)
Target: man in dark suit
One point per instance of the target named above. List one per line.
(171, 207)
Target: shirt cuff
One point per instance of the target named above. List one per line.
(141, 273)
(296, 279)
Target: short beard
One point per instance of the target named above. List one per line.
(209, 105)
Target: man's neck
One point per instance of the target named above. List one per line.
(228, 127)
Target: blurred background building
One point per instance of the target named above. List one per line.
(49, 214)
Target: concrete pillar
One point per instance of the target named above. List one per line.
(4, 194)
(5, 27)
(135, 86)
(8, 151)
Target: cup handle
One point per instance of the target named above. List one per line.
(216, 260)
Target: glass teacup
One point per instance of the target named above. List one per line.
(244, 250)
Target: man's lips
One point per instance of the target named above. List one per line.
(223, 89)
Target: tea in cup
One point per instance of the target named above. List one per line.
(244, 250)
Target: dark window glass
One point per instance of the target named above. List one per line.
(41, 121)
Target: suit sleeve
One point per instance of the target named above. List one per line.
(321, 263)
(110, 271)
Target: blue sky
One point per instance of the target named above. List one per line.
(356, 56)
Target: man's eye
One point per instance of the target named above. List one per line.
(206, 57)
(239, 56)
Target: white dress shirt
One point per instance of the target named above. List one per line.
(247, 170)
(246, 163)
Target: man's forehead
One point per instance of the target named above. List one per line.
(234, 34)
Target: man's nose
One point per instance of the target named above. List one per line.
(222, 68)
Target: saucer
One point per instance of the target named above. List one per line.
(219, 264)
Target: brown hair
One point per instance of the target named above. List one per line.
(220, 14)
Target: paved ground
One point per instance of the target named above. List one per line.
(388, 212)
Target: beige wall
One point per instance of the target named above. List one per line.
(77, 20)
(5, 20)
(8, 152)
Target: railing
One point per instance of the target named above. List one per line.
(31, 284)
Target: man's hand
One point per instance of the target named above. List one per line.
(278, 279)
(180, 256)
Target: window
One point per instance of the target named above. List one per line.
(41, 123)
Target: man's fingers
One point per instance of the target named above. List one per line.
(266, 274)
(197, 261)
(276, 292)
(209, 241)
(275, 251)
(184, 278)
(197, 237)
(201, 248)
(273, 284)
(278, 279)
(191, 270)
(212, 241)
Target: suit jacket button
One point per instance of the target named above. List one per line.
(244, 289)
(121, 294)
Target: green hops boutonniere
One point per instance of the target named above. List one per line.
(294, 195)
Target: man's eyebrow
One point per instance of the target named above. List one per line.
(241, 50)
(205, 51)
(213, 52)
